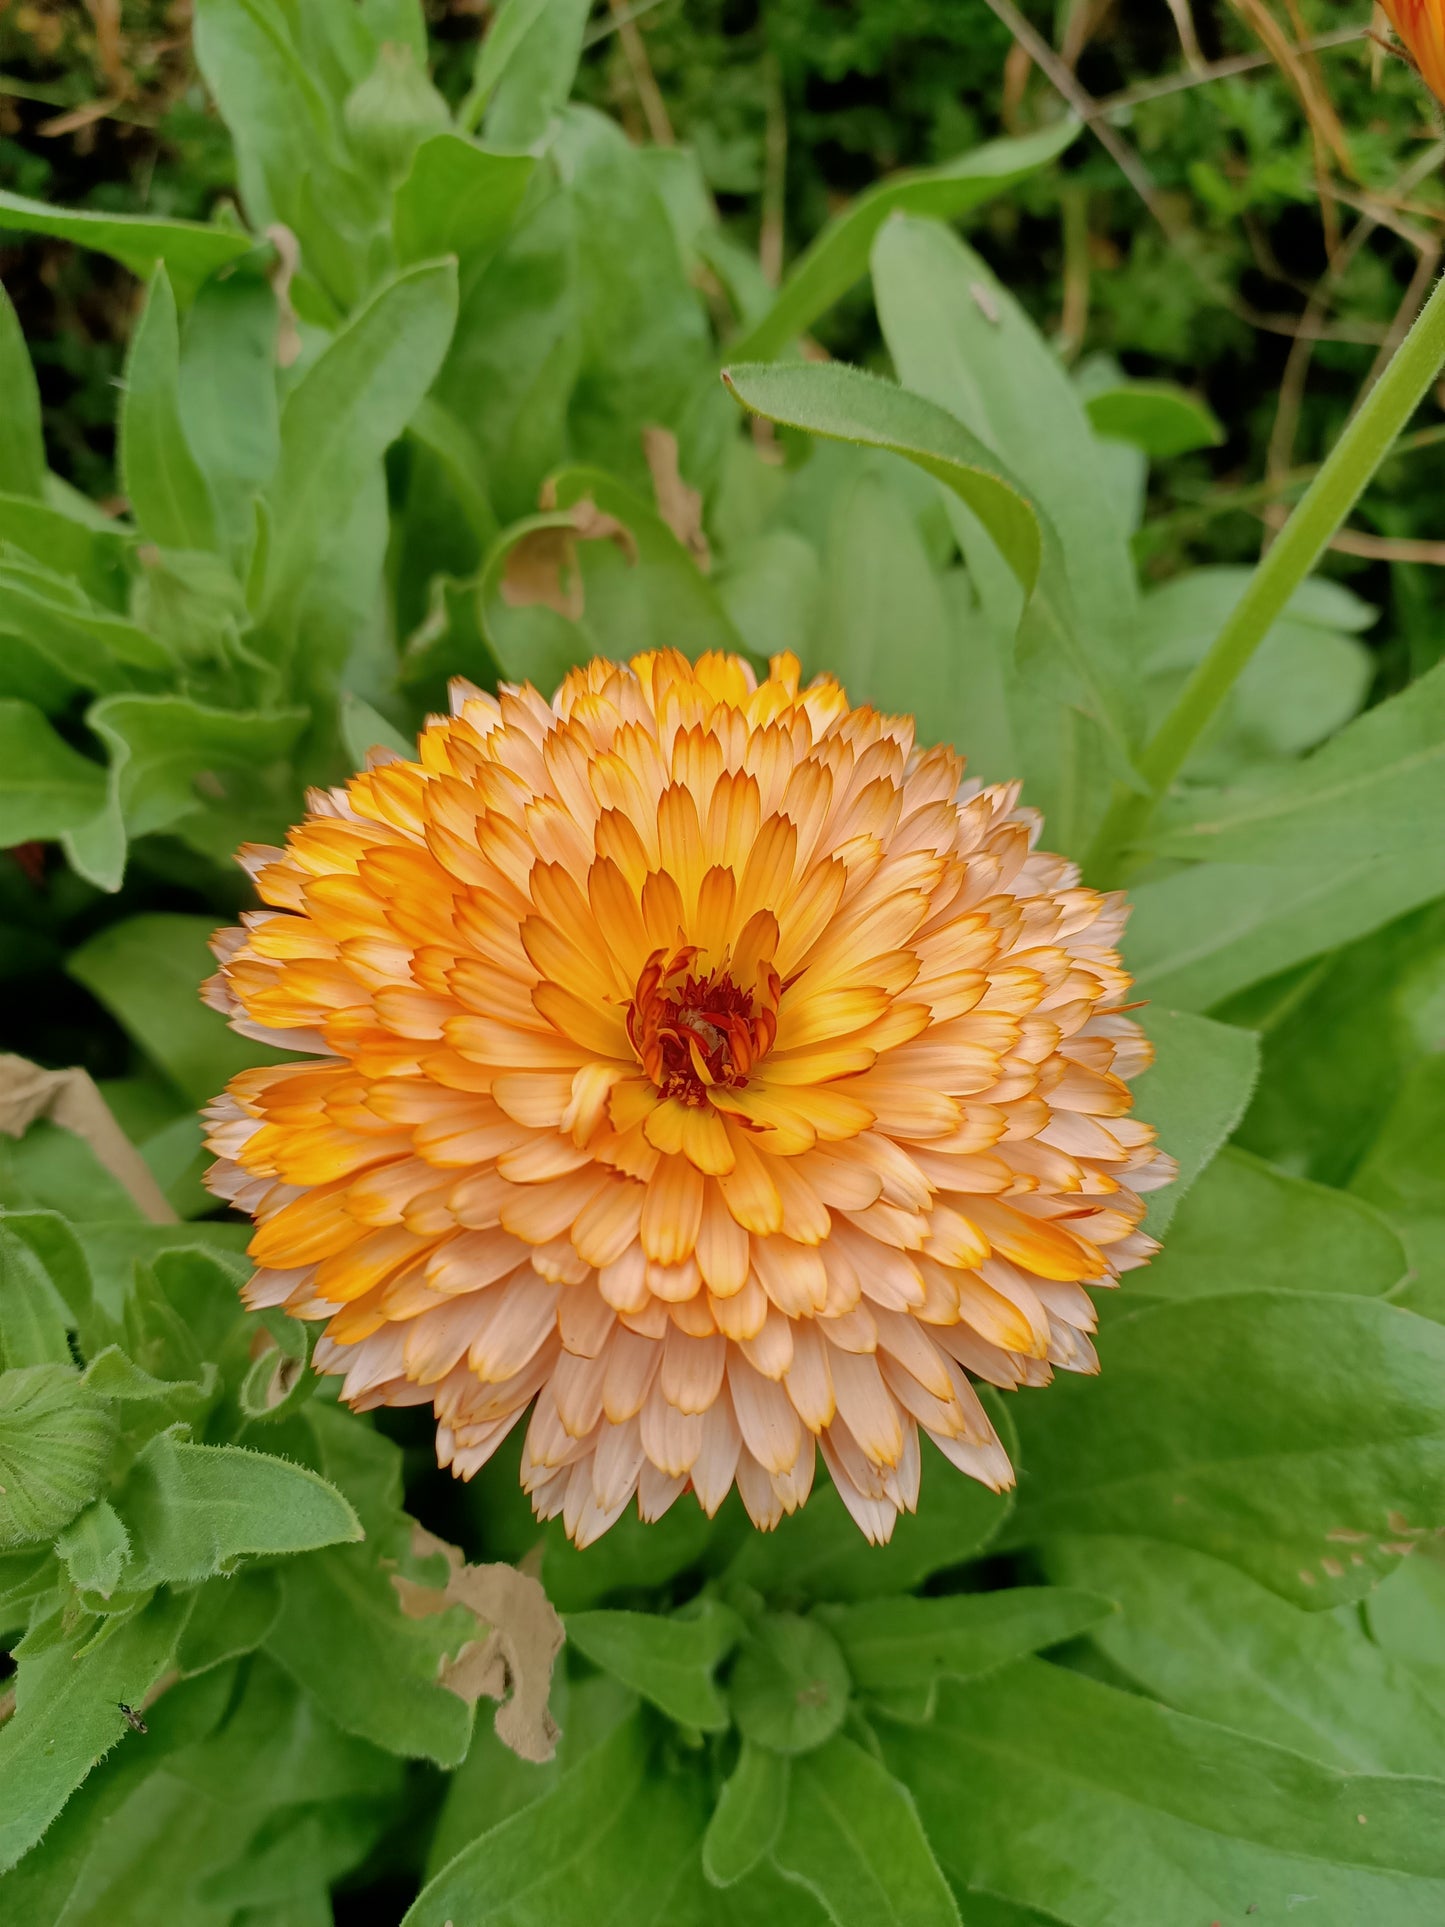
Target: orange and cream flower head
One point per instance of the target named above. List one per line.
(1421, 26)
(697, 1064)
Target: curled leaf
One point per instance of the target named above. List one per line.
(541, 565)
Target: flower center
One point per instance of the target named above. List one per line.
(693, 1032)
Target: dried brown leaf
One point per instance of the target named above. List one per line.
(70, 1099)
(679, 505)
(513, 1661)
(542, 566)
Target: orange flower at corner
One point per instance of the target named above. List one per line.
(698, 1064)
(1421, 26)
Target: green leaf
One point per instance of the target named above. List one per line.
(958, 337)
(772, 589)
(611, 1842)
(22, 446)
(458, 198)
(818, 1552)
(54, 537)
(1212, 929)
(193, 1509)
(1209, 1641)
(843, 404)
(43, 1242)
(46, 788)
(343, 1637)
(524, 78)
(33, 1315)
(670, 1661)
(1374, 791)
(228, 397)
(188, 250)
(748, 1816)
(1157, 416)
(68, 1716)
(1249, 1227)
(147, 971)
(1298, 1436)
(838, 257)
(159, 746)
(113, 1374)
(169, 495)
(1098, 1805)
(789, 1688)
(1402, 1177)
(94, 1548)
(92, 646)
(1194, 1094)
(880, 584)
(342, 416)
(232, 1616)
(854, 1840)
(55, 1444)
(899, 1650)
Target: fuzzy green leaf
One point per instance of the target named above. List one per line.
(899, 1650)
(1194, 1094)
(853, 1838)
(46, 787)
(457, 199)
(1096, 1805)
(669, 1661)
(1210, 1641)
(94, 1548)
(1299, 1436)
(169, 495)
(748, 1816)
(55, 1444)
(140, 242)
(1156, 416)
(22, 446)
(192, 1510)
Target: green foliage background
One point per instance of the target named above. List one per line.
(1228, 1545)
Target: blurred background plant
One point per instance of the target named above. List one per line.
(1259, 216)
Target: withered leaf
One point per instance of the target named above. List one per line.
(70, 1099)
(678, 505)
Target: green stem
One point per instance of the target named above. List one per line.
(1367, 439)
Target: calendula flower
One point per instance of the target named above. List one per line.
(694, 1062)
(1421, 26)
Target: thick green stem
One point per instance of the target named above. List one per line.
(1336, 488)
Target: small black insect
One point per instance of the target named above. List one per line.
(132, 1719)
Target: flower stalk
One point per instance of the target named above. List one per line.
(1342, 479)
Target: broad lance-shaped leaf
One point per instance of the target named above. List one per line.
(748, 1816)
(457, 199)
(139, 242)
(611, 1842)
(343, 1637)
(168, 492)
(46, 787)
(1210, 1641)
(669, 1661)
(33, 1315)
(958, 337)
(158, 746)
(147, 972)
(1098, 1805)
(838, 257)
(527, 76)
(342, 416)
(899, 1650)
(67, 1715)
(1212, 929)
(22, 446)
(1376, 790)
(193, 1509)
(846, 405)
(1194, 1093)
(1299, 1436)
(227, 396)
(853, 1838)
(55, 1444)
(1247, 1226)
(1156, 416)
(94, 1548)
